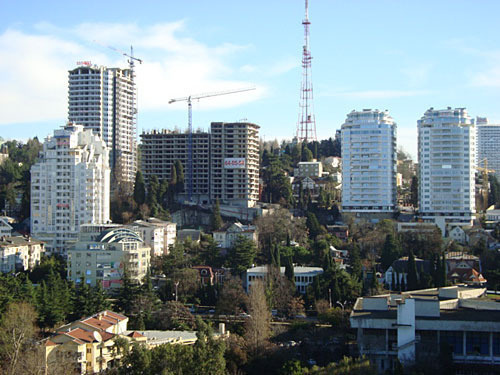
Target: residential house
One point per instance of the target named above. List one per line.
(5, 227)
(19, 253)
(399, 269)
(159, 235)
(193, 234)
(339, 231)
(87, 346)
(227, 235)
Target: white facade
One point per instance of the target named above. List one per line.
(5, 227)
(159, 235)
(310, 169)
(446, 155)
(369, 162)
(69, 186)
(19, 253)
(104, 99)
(225, 238)
(487, 141)
(304, 276)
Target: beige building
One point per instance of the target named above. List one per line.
(159, 235)
(104, 257)
(234, 163)
(226, 236)
(19, 253)
(310, 169)
(88, 345)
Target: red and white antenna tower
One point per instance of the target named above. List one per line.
(306, 125)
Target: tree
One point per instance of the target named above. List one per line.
(355, 261)
(315, 228)
(241, 255)
(414, 191)
(412, 273)
(139, 189)
(258, 325)
(216, 219)
(233, 299)
(179, 170)
(390, 252)
(289, 274)
(173, 315)
(17, 332)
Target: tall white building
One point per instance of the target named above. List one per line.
(69, 186)
(104, 99)
(488, 141)
(369, 162)
(446, 156)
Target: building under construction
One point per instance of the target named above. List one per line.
(225, 162)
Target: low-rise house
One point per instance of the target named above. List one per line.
(88, 346)
(339, 231)
(399, 270)
(457, 234)
(104, 258)
(193, 234)
(304, 276)
(464, 268)
(5, 227)
(227, 235)
(19, 253)
(309, 169)
(415, 226)
(412, 326)
(159, 235)
(476, 234)
(492, 215)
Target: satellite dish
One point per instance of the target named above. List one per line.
(97, 336)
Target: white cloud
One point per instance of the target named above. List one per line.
(375, 94)
(33, 67)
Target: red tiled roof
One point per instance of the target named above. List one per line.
(99, 324)
(50, 343)
(81, 334)
(135, 334)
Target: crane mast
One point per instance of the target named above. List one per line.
(189, 99)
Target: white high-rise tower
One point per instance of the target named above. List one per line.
(369, 162)
(69, 186)
(104, 99)
(446, 157)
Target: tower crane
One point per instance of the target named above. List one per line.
(189, 99)
(484, 172)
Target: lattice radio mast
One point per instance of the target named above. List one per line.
(306, 125)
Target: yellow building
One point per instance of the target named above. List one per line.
(89, 345)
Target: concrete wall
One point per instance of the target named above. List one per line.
(375, 303)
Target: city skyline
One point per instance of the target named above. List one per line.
(401, 57)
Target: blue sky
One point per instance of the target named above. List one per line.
(404, 56)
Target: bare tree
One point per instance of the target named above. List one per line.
(258, 325)
(17, 333)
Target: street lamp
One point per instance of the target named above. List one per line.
(341, 304)
(176, 285)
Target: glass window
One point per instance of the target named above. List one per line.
(496, 344)
(455, 340)
(478, 343)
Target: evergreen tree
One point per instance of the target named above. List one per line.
(403, 283)
(414, 191)
(393, 283)
(241, 255)
(216, 219)
(289, 272)
(355, 261)
(315, 228)
(390, 252)
(139, 189)
(412, 272)
(179, 185)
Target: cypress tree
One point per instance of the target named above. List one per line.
(412, 272)
(179, 185)
(216, 217)
(289, 273)
(139, 189)
(393, 284)
(403, 284)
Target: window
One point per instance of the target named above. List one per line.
(455, 340)
(478, 343)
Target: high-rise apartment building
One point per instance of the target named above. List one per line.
(488, 142)
(104, 100)
(161, 148)
(69, 186)
(369, 162)
(446, 156)
(225, 161)
(234, 163)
